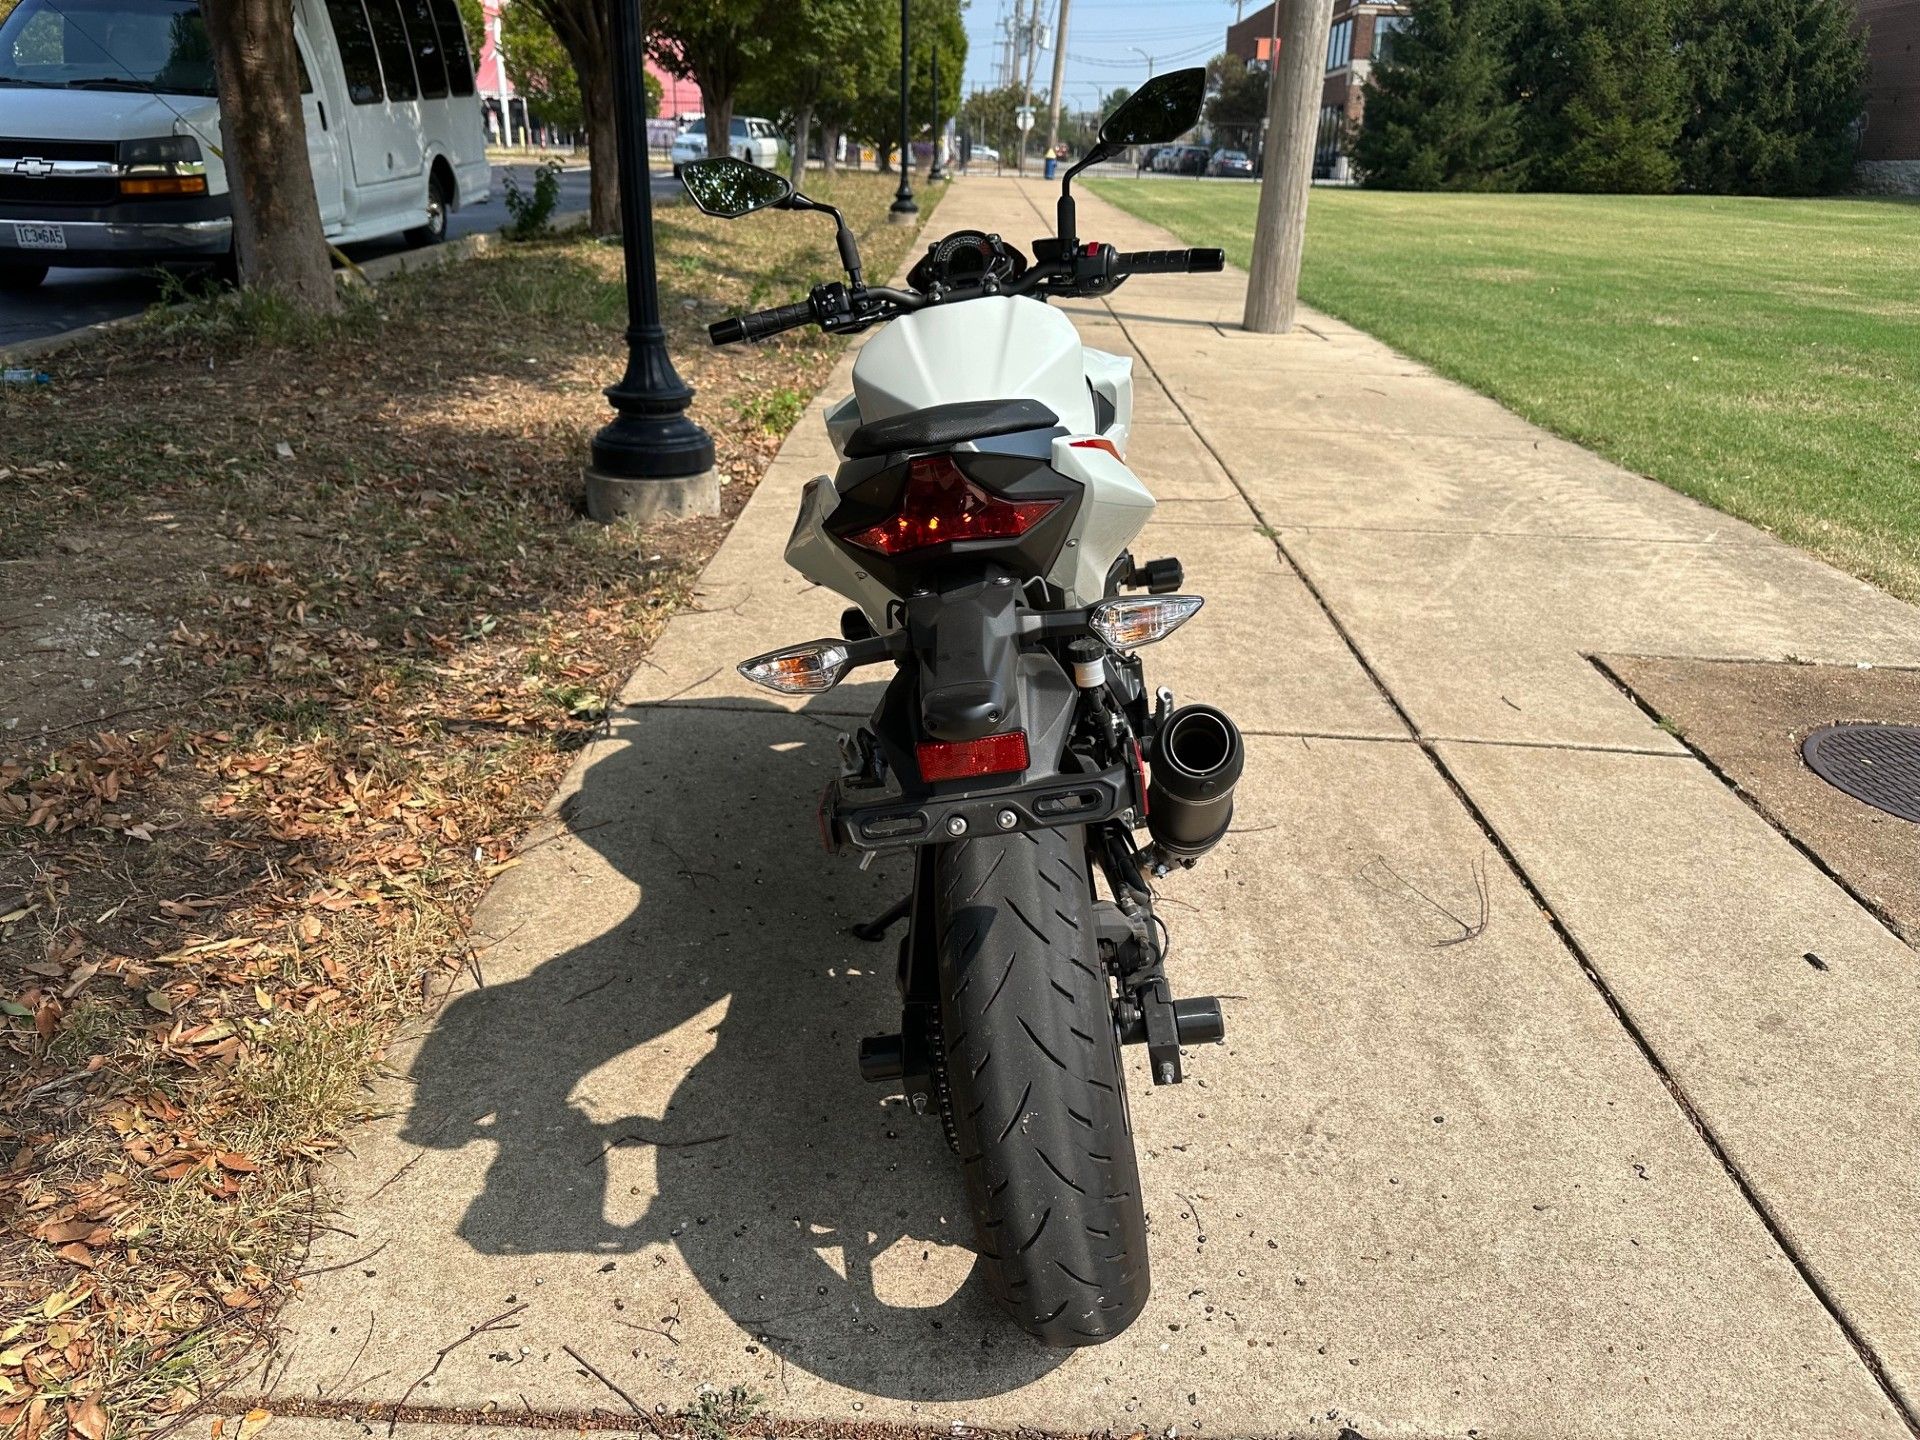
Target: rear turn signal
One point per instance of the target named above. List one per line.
(940, 504)
(799, 669)
(1127, 624)
(964, 759)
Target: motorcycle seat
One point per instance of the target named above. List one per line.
(944, 425)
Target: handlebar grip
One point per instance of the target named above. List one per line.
(761, 323)
(1169, 262)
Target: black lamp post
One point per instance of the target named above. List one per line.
(650, 461)
(936, 172)
(903, 209)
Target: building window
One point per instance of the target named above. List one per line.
(1385, 28)
(1326, 149)
(1340, 45)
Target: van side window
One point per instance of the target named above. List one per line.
(355, 38)
(396, 50)
(453, 45)
(426, 50)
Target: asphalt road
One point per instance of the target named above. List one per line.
(71, 298)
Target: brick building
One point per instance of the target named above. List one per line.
(1362, 33)
(1890, 140)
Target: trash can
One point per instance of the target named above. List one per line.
(1052, 165)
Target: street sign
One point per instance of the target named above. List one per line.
(1023, 117)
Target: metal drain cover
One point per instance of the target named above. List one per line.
(1879, 764)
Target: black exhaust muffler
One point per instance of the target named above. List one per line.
(1197, 759)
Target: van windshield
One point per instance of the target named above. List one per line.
(158, 46)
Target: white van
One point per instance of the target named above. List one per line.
(753, 140)
(110, 136)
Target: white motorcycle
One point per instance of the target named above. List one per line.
(979, 522)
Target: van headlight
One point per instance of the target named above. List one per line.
(163, 165)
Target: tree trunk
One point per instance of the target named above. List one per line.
(719, 112)
(802, 129)
(583, 34)
(884, 154)
(830, 147)
(603, 146)
(1293, 112)
(276, 215)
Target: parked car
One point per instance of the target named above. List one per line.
(1148, 155)
(1181, 160)
(1230, 162)
(752, 139)
(112, 148)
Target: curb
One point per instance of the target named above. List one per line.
(380, 267)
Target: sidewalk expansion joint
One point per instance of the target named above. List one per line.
(1764, 543)
(1689, 1111)
(1880, 917)
(1585, 747)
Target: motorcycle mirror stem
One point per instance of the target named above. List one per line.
(843, 235)
(1066, 221)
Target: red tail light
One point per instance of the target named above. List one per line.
(940, 504)
(965, 759)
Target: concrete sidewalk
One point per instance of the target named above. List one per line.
(1534, 1120)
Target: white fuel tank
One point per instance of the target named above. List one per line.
(1004, 347)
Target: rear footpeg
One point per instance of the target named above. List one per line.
(883, 1058)
(1154, 1019)
(1196, 1021)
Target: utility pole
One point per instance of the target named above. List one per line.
(651, 462)
(1295, 82)
(1015, 39)
(1026, 84)
(1059, 76)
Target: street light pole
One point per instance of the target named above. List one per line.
(936, 172)
(650, 462)
(904, 211)
(1144, 56)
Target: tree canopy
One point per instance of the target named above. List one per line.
(1773, 88)
(1756, 96)
(1439, 115)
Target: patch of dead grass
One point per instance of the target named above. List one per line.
(231, 868)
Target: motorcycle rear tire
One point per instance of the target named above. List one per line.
(1036, 1087)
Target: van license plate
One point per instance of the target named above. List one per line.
(40, 237)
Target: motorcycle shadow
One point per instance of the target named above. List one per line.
(686, 1077)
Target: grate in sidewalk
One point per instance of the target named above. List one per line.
(1879, 764)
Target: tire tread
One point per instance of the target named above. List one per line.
(1049, 1145)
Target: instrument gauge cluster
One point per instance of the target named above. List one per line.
(967, 257)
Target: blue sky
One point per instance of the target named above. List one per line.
(1102, 34)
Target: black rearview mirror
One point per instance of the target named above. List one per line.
(730, 187)
(1163, 109)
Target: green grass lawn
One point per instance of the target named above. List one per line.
(1762, 355)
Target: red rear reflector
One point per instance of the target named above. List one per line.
(940, 504)
(1100, 444)
(964, 759)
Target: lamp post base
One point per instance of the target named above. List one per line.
(650, 498)
(904, 217)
